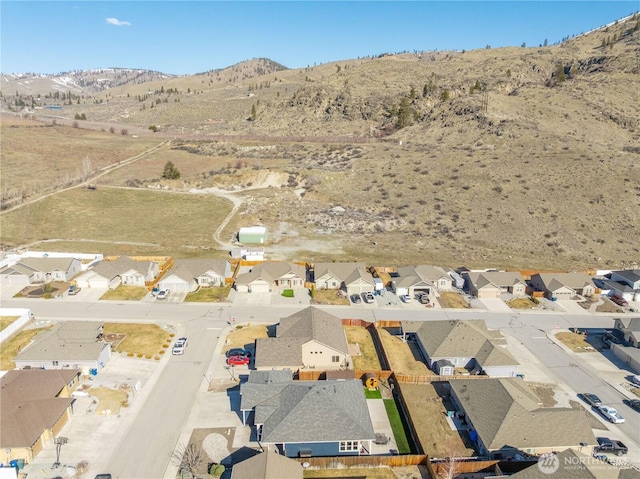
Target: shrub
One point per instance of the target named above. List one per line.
(165, 345)
(162, 352)
(171, 335)
(287, 293)
(130, 355)
(139, 355)
(148, 356)
(157, 358)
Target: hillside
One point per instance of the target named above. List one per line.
(510, 156)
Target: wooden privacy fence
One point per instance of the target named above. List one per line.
(427, 379)
(335, 462)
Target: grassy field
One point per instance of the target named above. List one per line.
(12, 346)
(329, 296)
(172, 221)
(208, 295)
(244, 336)
(126, 293)
(402, 357)
(6, 321)
(109, 399)
(449, 299)
(577, 342)
(369, 357)
(521, 303)
(140, 339)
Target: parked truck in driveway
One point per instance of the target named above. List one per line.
(611, 446)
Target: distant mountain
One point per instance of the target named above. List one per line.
(90, 82)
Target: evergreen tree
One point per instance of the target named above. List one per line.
(170, 171)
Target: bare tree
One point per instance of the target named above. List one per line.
(188, 458)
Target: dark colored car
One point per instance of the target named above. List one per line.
(611, 446)
(238, 360)
(633, 404)
(355, 298)
(238, 352)
(590, 399)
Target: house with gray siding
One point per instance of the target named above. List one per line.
(308, 339)
(421, 279)
(447, 345)
(506, 418)
(307, 418)
(563, 286)
(271, 276)
(491, 284)
(630, 329)
(122, 270)
(625, 283)
(68, 345)
(188, 275)
(333, 275)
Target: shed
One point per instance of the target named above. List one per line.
(252, 235)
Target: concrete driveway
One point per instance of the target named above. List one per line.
(495, 305)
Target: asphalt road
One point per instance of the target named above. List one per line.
(146, 448)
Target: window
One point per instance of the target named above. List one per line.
(349, 446)
(335, 359)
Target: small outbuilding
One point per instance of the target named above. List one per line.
(253, 235)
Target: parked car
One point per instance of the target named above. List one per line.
(405, 298)
(590, 399)
(238, 360)
(179, 346)
(423, 298)
(619, 300)
(611, 446)
(103, 476)
(163, 293)
(610, 414)
(633, 404)
(368, 297)
(635, 379)
(238, 352)
(355, 298)
(73, 290)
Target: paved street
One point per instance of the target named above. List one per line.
(173, 400)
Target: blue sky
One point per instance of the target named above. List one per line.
(185, 37)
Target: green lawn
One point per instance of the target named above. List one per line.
(375, 394)
(397, 426)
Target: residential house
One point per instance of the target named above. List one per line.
(34, 407)
(573, 464)
(310, 339)
(31, 270)
(630, 329)
(491, 284)
(188, 275)
(265, 277)
(563, 286)
(268, 465)
(505, 418)
(307, 418)
(68, 345)
(421, 279)
(333, 275)
(359, 281)
(625, 283)
(122, 270)
(448, 345)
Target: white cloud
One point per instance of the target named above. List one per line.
(118, 23)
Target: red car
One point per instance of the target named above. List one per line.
(238, 360)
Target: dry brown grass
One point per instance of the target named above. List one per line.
(449, 299)
(353, 473)
(126, 293)
(244, 336)
(329, 296)
(109, 399)
(608, 306)
(144, 339)
(575, 341)
(428, 414)
(6, 321)
(521, 303)
(369, 356)
(404, 357)
(208, 295)
(16, 343)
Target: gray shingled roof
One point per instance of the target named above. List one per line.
(632, 275)
(554, 281)
(575, 465)
(28, 404)
(309, 324)
(340, 271)
(457, 338)
(268, 465)
(309, 411)
(270, 272)
(359, 274)
(188, 269)
(47, 264)
(68, 341)
(500, 279)
(120, 265)
(506, 413)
